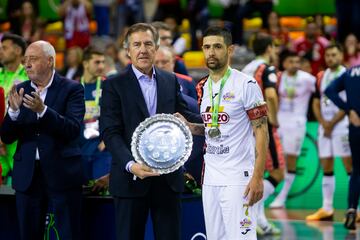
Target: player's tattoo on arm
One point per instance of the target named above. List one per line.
(259, 122)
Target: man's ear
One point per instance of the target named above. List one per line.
(231, 50)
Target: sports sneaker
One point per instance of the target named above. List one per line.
(268, 230)
(277, 204)
(350, 219)
(321, 215)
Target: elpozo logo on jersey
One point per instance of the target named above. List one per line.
(228, 96)
(223, 117)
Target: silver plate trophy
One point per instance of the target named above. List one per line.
(162, 142)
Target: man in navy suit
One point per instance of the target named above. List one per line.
(127, 99)
(45, 115)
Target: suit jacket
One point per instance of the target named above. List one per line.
(54, 135)
(123, 108)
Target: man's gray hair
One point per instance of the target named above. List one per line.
(47, 49)
(141, 27)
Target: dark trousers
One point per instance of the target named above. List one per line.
(165, 209)
(33, 205)
(354, 185)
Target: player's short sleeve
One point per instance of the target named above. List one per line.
(312, 83)
(253, 96)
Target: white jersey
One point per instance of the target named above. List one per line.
(230, 159)
(294, 95)
(328, 108)
(251, 67)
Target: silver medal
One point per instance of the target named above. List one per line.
(214, 132)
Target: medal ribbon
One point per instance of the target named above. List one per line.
(328, 80)
(215, 104)
(290, 90)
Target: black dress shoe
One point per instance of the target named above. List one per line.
(350, 219)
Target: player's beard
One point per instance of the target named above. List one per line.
(333, 65)
(217, 63)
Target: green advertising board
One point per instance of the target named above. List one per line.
(305, 192)
(287, 7)
(47, 9)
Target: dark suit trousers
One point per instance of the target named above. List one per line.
(33, 205)
(165, 208)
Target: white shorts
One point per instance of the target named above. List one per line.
(292, 139)
(338, 145)
(227, 215)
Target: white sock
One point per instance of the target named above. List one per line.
(268, 190)
(328, 189)
(288, 181)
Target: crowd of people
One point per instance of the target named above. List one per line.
(59, 132)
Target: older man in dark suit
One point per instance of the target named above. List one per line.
(137, 93)
(45, 116)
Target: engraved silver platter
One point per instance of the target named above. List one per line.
(162, 142)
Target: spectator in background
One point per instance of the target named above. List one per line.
(14, 13)
(351, 51)
(246, 10)
(76, 15)
(198, 15)
(13, 72)
(95, 157)
(167, 8)
(305, 65)
(31, 27)
(73, 64)
(179, 43)
(164, 59)
(102, 16)
(348, 18)
(166, 39)
(110, 68)
(279, 35)
(124, 59)
(312, 46)
(112, 50)
(127, 12)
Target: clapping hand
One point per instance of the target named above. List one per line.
(15, 98)
(34, 102)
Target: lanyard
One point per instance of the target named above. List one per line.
(215, 105)
(98, 83)
(328, 78)
(290, 90)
